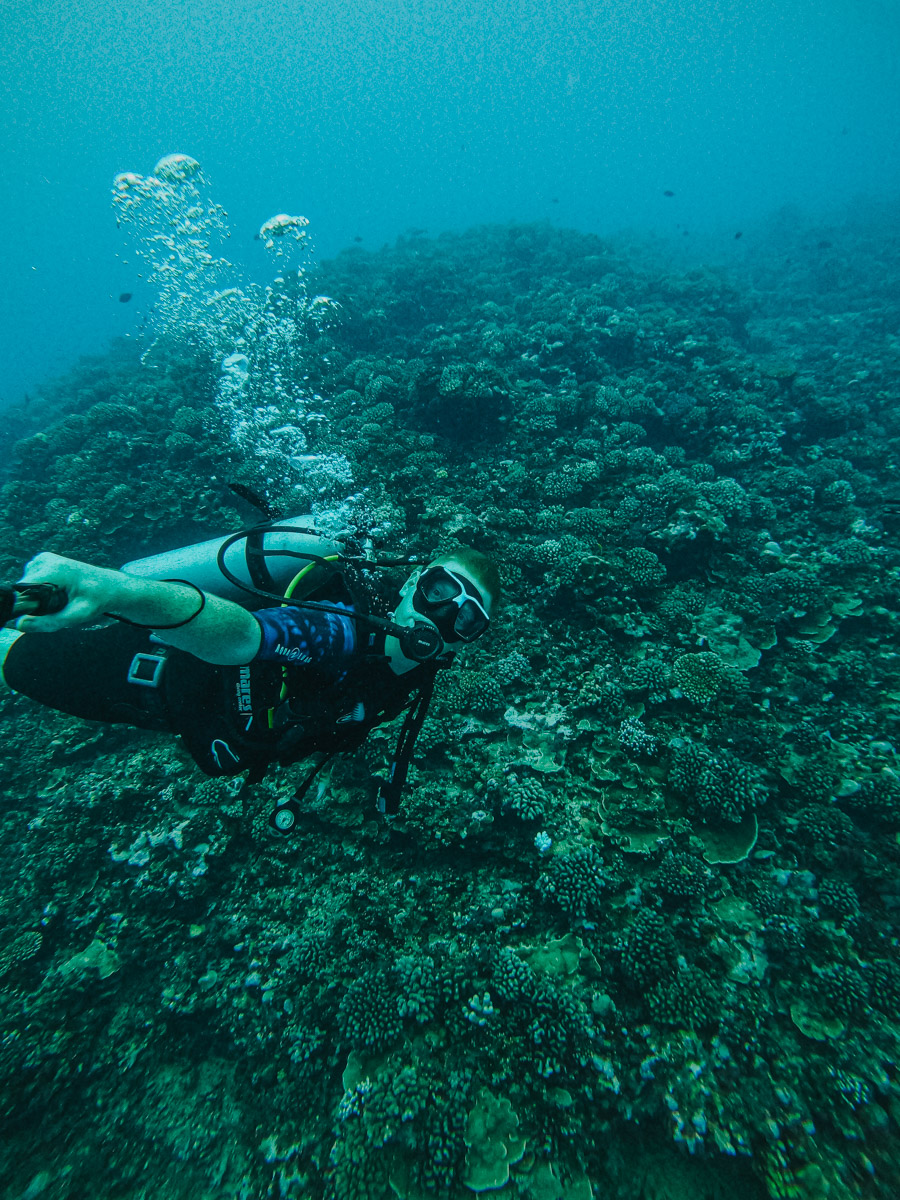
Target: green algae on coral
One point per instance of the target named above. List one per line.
(493, 1141)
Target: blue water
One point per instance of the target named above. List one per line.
(382, 115)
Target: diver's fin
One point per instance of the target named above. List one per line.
(245, 493)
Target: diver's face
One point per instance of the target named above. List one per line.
(446, 596)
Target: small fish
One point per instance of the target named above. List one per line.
(554, 200)
(739, 234)
(668, 193)
(357, 238)
(823, 245)
(257, 238)
(124, 297)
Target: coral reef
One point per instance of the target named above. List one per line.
(634, 932)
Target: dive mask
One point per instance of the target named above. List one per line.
(451, 603)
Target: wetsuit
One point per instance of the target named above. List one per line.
(319, 682)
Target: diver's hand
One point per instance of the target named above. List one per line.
(92, 592)
(205, 625)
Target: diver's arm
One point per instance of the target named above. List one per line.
(222, 632)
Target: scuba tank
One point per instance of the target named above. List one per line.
(265, 559)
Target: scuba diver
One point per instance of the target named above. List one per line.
(246, 658)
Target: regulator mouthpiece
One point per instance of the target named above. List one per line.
(419, 642)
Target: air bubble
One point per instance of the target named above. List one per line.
(204, 307)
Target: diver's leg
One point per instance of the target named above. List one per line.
(111, 674)
(7, 638)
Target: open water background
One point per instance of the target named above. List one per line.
(382, 115)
